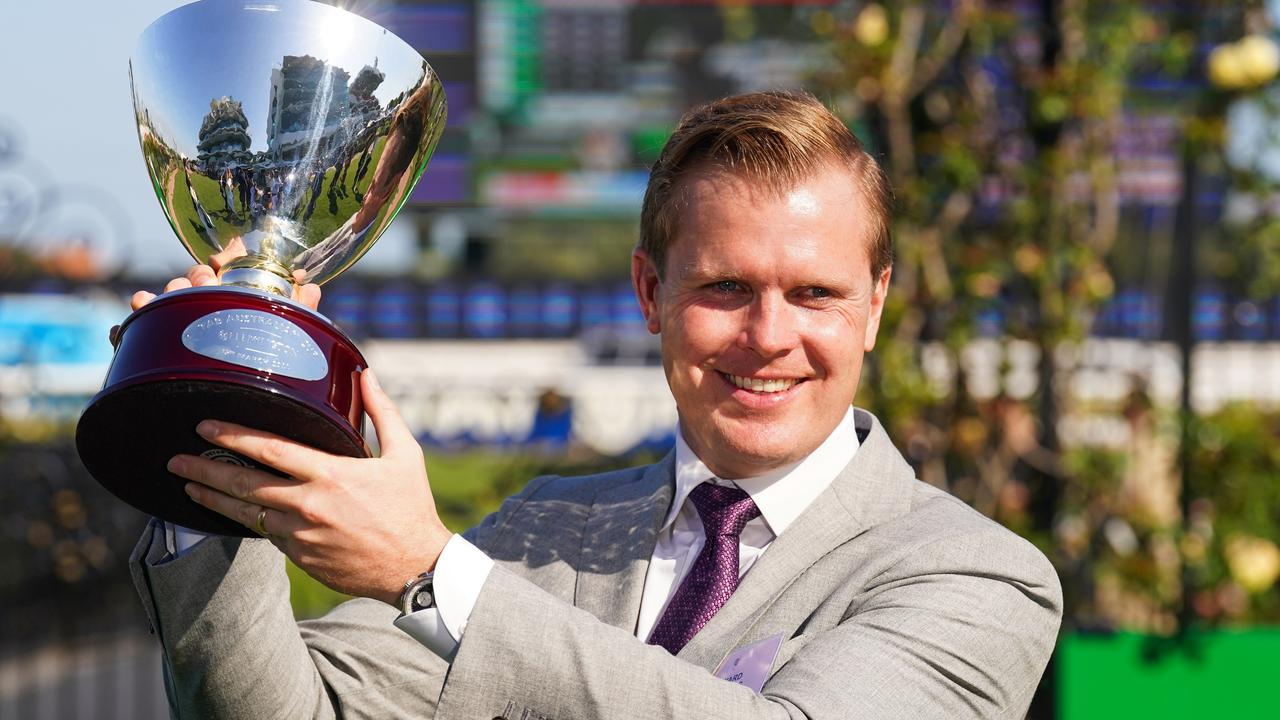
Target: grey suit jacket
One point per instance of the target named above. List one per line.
(894, 599)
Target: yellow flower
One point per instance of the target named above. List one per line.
(1226, 67)
(1253, 61)
(872, 25)
(1259, 58)
(1254, 562)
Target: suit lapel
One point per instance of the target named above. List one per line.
(618, 542)
(872, 488)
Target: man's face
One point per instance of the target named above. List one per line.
(766, 307)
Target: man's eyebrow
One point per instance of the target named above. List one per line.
(697, 270)
(694, 268)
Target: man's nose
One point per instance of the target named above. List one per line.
(769, 326)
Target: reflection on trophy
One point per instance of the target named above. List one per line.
(281, 138)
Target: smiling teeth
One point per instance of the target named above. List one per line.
(758, 385)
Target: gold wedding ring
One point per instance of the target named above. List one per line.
(262, 523)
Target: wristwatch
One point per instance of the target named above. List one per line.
(418, 594)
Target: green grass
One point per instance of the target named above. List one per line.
(207, 192)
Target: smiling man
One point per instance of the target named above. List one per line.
(781, 562)
(766, 298)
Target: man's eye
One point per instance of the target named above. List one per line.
(819, 292)
(726, 286)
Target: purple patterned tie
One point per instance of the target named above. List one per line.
(714, 576)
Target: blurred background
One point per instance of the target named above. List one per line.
(1082, 337)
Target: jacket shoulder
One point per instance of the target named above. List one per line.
(580, 487)
(943, 532)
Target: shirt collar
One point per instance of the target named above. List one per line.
(781, 494)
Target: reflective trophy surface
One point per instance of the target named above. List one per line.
(281, 138)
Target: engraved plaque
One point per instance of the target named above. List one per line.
(257, 340)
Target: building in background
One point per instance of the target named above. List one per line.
(295, 86)
(224, 134)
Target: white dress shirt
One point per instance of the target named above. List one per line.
(781, 496)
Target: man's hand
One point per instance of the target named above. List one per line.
(360, 526)
(201, 275)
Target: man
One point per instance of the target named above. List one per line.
(782, 562)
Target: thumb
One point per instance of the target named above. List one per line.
(393, 434)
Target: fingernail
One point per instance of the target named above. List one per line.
(373, 379)
(191, 490)
(175, 465)
(207, 429)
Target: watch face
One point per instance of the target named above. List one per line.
(423, 599)
(418, 594)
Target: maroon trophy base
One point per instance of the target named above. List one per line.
(219, 353)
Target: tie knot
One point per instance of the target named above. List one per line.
(724, 509)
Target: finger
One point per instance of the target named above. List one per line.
(245, 513)
(177, 284)
(200, 275)
(308, 295)
(242, 483)
(394, 435)
(235, 248)
(276, 526)
(140, 298)
(260, 521)
(289, 457)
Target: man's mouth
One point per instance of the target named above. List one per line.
(761, 385)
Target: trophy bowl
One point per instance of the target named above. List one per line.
(281, 138)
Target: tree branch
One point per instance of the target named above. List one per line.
(944, 49)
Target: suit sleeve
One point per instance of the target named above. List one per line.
(232, 649)
(946, 631)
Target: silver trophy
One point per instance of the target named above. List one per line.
(281, 138)
(289, 131)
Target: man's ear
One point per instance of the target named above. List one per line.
(644, 280)
(878, 295)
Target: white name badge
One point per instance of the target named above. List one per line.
(750, 665)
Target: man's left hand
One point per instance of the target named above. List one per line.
(362, 526)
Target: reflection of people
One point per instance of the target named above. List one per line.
(276, 188)
(227, 184)
(782, 561)
(363, 166)
(340, 174)
(244, 184)
(316, 183)
(335, 251)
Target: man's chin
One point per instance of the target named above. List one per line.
(747, 454)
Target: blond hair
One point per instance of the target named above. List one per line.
(777, 139)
